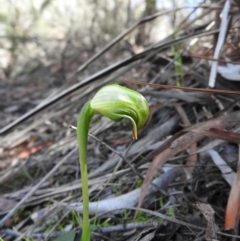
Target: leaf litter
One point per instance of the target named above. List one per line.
(191, 196)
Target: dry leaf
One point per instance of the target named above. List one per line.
(187, 138)
(192, 159)
(233, 205)
(208, 213)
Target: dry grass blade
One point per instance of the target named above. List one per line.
(209, 91)
(192, 159)
(183, 142)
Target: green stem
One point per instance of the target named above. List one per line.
(84, 120)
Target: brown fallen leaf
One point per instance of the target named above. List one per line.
(31, 149)
(233, 205)
(182, 140)
(208, 213)
(22, 151)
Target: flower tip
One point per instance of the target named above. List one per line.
(134, 135)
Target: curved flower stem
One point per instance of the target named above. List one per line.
(115, 102)
(84, 120)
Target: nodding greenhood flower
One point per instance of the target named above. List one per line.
(116, 102)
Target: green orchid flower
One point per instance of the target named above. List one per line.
(115, 102)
